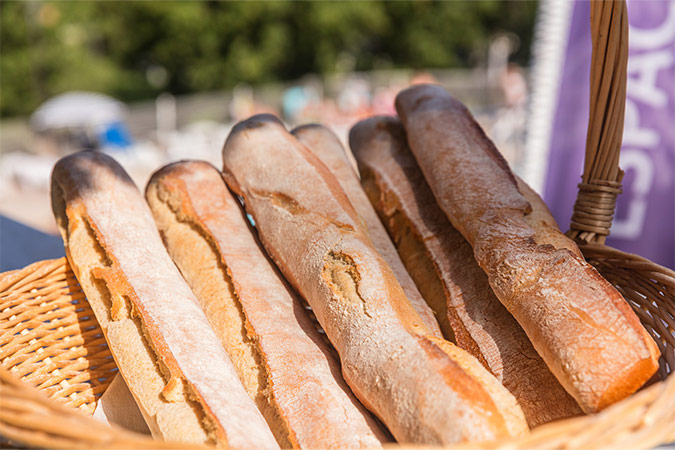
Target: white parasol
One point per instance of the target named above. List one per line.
(77, 110)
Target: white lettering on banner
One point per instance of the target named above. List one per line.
(650, 54)
(642, 71)
(632, 133)
(641, 38)
(630, 227)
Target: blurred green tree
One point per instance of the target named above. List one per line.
(134, 50)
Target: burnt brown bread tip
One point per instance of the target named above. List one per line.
(425, 389)
(283, 362)
(442, 264)
(327, 147)
(579, 324)
(174, 365)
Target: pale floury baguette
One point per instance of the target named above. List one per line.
(171, 360)
(425, 389)
(442, 263)
(579, 324)
(327, 147)
(281, 358)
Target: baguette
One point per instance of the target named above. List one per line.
(579, 324)
(442, 263)
(172, 362)
(327, 147)
(281, 358)
(425, 389)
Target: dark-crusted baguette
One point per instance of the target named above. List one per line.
(579, 324)
(442, 264)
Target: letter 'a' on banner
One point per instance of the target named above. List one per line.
(644, 221)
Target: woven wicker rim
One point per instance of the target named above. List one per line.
(28, 416)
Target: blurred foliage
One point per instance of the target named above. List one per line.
(134, 50)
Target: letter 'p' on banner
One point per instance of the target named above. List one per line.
(644, 222)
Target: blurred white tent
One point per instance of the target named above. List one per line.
(82, 120)
(77, 110)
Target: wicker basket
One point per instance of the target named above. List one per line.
(51, 341)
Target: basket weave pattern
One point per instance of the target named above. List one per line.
(649, 289)
(49, 336)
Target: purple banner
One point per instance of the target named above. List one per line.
(644, 222)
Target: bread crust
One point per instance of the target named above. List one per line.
(431, 247)
(579, 324)
(303, 396)
(175, 368)
(423, 390)
(327, 147)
